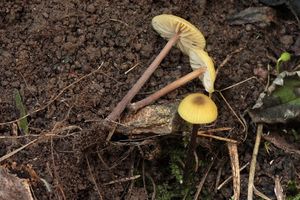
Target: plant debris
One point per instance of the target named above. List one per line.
(158, 119)
(281, 102)
(261, 15)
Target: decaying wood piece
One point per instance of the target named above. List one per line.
(12, 187)
(157, 119)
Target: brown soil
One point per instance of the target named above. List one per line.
(47, 45)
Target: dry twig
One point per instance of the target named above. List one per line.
(230, 177)
(234, 113)
(253, 162)
(123, 180)
(278, 189)
(234, 158)
(200, 185)
(217, 137)
(93, 178)
(260, 194)
(17, 150)
(133, 67)
(228, 57)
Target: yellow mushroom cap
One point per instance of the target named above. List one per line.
(200, 58)
(198, 108)
(168, 25)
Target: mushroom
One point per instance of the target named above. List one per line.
(196, 109)
(178, 31)
(198, 59)
(200, 63)
(169, 25)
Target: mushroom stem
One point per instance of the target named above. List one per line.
(115, 114)
(172, 86)
(189, 160)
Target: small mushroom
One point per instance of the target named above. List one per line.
(196, 109)
(169, 25)
(198, 59)
(178, 31)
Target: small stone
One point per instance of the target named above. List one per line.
(130, 56)
(146, 50)
(261, 73)
(45, 15)
(104, 50)
(4, 83)
(58, 39)
(287, 40)
(91, 8)
(137, 46)
(296, 47)
(248, 27)
(209, 48)
(15, 84)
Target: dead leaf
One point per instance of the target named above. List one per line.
(281, 102)
(261, 15)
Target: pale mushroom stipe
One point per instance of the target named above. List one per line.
(179, 32)
(170, 87)
(199, 59)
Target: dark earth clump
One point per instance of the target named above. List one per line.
(47, 45)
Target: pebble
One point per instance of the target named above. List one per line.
(91, 8)
(137, 46)
(287, 40)
(15, 84)
(58, 39)
(248, 27)
(146, 50)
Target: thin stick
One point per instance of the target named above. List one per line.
(93, 178)
(262, 195)
(278, 188)
(234, 113)
(53, 99)
(56, 179)
(153, 185)
(236, 84)
(134, 66)
(143, 178)
(230, 177)
(219, 173)
(172, 86)
(253, 162)
(120, 21)
(199, 187)
(17, 150)
(115, 114)
(228, 57)
(234, 158)
(123, 180)
(214, 130)
(217, 138)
